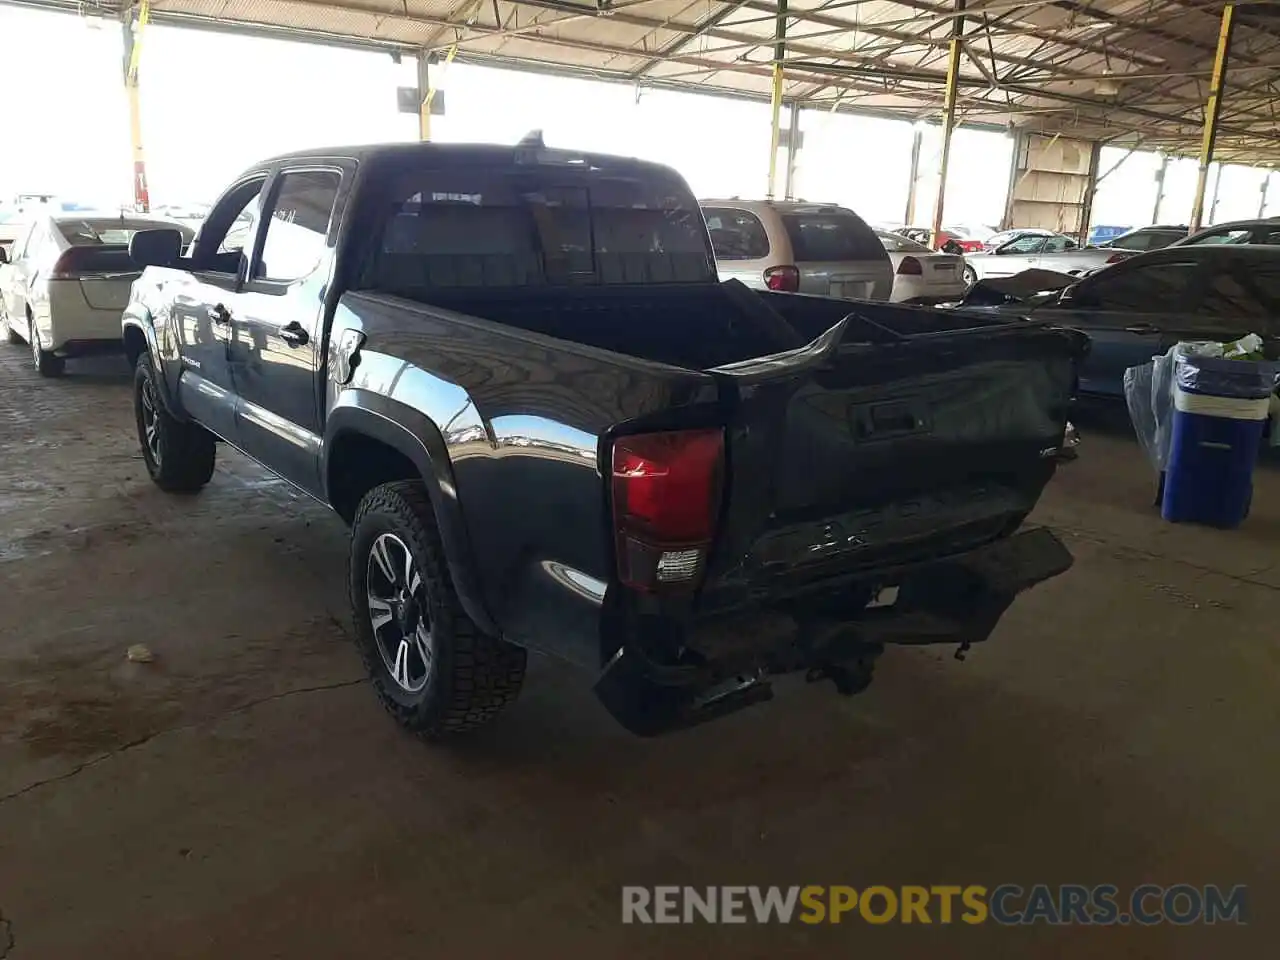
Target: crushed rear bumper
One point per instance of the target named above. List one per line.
(957, 599)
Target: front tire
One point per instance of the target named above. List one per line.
(11, 335)
(434, 670)
(970, 275)
(179, 455)
(46, 364)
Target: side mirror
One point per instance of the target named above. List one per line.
(156, 248)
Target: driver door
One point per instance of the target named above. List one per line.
(204, 305)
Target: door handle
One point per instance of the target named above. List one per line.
(1140, 328)
(218, 313)
(294, 334)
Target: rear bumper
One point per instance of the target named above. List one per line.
(958, 600)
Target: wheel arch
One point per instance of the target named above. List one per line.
(140, 338)
(388, 441)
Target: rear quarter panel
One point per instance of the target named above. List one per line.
(512, 423)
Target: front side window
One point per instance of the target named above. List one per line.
(1059, 245)
(736, 234)
(1151, 288)
(497, 228)
(226, 236)
(1029, 243)
(298, 228)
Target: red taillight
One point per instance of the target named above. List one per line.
(65, 267)
(910, 267)
(1117, 257)
(971, 246)
(784, 279)
(666, 495)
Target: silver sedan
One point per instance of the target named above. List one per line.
(1037, 252)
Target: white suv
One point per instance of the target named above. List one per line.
(798, 247)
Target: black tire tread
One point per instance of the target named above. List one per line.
(189, 449)
(480, 675)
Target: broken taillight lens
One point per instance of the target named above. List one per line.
(666, 497)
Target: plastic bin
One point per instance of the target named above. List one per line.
(1220, 411)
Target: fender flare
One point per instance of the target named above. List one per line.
(148, 332)
(413, 434)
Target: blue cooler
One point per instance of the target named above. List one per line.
(1220, 411)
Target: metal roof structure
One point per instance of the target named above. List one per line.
(1132, 72)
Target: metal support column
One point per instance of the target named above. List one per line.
(1262, 200)
(1160, 175)
(917, 137)
(425, 95)
(134, 22)
(1213, 204)
(1212, 111)
(775, 133)
(948, 118)
(793, 150)
(1090, 189)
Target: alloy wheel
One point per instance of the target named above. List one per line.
(35, 341)
(150, 420)
(397, 607)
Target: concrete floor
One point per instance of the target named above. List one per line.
(244, 796)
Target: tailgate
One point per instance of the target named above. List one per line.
(875, 446)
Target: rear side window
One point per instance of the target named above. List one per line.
(1151, 288)
(1243, 291)
(834, 236)
(736, 234)
(299, 224)
(1240, 235)
(450, 229)
(1059, 245)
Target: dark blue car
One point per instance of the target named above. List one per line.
(1142, 306)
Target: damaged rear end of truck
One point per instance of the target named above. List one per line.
(866, 489)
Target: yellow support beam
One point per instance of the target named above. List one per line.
(775, 131)
(1212, 110)
(948, 118)
(427, 88)
(133, 31)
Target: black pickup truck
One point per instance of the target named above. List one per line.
(514, 373)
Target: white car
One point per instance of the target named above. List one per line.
(920, 275)
(65, 282)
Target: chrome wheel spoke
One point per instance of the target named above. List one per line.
(379, 612)
(410, 574)
(400, 669)
(382, 557)
(422, 641)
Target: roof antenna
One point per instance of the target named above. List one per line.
(532, 139)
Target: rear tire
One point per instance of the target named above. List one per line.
(970, 275)
(179, 454)
(46, 364)
(433, 669)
